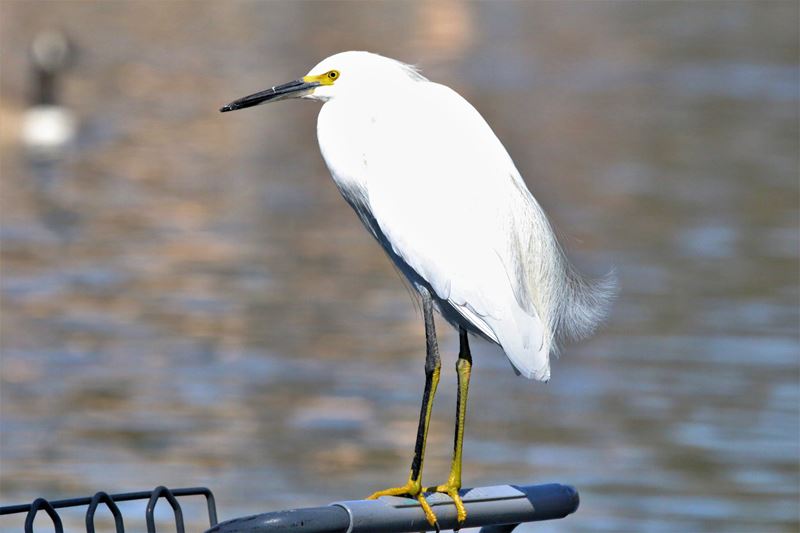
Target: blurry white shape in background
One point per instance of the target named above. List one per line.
(48, 128)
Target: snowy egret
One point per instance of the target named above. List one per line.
(430, 180)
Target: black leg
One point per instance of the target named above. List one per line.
(433, 366)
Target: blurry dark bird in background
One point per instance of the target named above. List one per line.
(48, 127)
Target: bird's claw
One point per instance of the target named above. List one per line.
(412, 489)
(451, 490)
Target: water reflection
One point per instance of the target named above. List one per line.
(187, 300)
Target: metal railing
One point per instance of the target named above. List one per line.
(111, 500)
(497, 509)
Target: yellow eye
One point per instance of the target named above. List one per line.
(333, 74)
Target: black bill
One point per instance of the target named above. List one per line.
(292, 89)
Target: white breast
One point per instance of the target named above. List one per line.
(343, 132)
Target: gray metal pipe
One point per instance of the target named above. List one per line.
(503, 505)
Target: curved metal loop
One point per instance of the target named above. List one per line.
(104, 498)
(41, 503)
(211, 504)
(158, 492)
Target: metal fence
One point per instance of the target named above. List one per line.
(496, 509)
(111, 500)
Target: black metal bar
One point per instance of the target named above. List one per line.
(157, 494)
(41, 503)
(121, 497)
(210, 503)
(111, 502)
(505, 528)
(119, 525)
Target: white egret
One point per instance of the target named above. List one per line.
(430, 180)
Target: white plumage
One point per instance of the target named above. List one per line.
(434, 185)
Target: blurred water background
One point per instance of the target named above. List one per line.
(186, 300)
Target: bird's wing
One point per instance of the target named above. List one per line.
(445, 193)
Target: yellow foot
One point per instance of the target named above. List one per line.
(451, 490)
(412, 489)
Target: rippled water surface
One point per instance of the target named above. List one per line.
(186, 300)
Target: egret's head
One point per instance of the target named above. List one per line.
(338, 74)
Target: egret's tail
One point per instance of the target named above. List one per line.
(571, 305)
(548, 286)
(583, 304)
(570, 308)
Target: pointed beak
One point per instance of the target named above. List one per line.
(293, 89)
